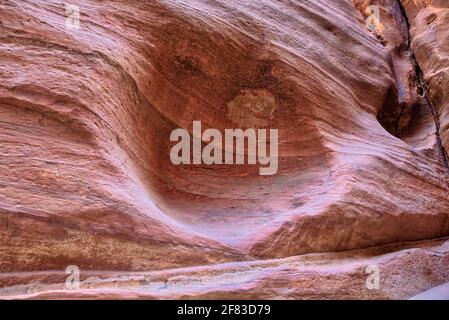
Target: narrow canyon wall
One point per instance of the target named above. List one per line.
(429, 22)
(85, 173)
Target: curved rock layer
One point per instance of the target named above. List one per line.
(86, 116)
(429, 22)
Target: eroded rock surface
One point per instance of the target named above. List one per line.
(429, 21)
(86, 116)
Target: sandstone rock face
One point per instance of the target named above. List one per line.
(430, 43)
(86, 177)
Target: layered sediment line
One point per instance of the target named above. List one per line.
(86, 116)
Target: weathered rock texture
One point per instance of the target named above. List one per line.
(429, 21)
(86, 178)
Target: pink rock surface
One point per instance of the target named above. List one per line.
(440, 292)
(86, 177)
(429, 22)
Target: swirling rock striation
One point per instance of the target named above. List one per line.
(86, 116)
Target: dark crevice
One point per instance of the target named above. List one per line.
(395, 117)
(422, 90)
(432, 110)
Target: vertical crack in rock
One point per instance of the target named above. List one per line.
(423, 90)
(404, 113)
(86, 177)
